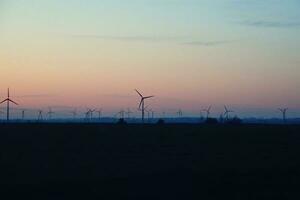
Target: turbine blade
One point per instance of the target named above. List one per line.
(4, 101)
(139, 93)
(148, 97)
(209, 108)
(225, 108)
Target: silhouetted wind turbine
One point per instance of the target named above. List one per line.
(50, 113)
(74, 113)
(128, 112)
(122, 114)
(142, 104)
(8, 100)
(99, 113)
(180, 113)
(207, 111)
(40, 116)
(23, 114)
(283, 111)
(227, 112)
(89, 113)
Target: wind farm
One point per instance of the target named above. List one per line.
(149, 99)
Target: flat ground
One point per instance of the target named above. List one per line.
(82, 161)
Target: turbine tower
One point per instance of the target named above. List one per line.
(227, 112)
(8, 100)
(142, 103)
(283, 111)
(207, 111)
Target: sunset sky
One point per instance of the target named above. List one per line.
(188, 53)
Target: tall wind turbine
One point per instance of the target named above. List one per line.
(142, 104)
(283, 111)
(8, 100)
(227, 112)
(207, 111)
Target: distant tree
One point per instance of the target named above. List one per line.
(121, 121)
(161, 122)
(211, 121)
(235, 121)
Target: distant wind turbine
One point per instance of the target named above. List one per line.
(180, 113)
(23, 114)
(99, 113)
(50, 113)
(283, 111)
(122, 114)
(8, 100)
(128, 112)
(74, 113)
(227, 112)
(40, 116)
(142, 104)
(207, 111)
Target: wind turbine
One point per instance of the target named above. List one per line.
(50, 113)
(74, 113)
(23, 114)
(40, 116)
(128, 112)
(283, 111)
(180, 113)
(207, 111)
(142, 103)
(89, 113)
(8, 100)
(121, 113)
(99, 113)
(227, 112)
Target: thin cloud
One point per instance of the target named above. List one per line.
(271, 24)
(36, 96)
(209, 43)
(131, 38)
(178, 39)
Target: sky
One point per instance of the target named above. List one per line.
(188, 53)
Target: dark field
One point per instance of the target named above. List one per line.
(81, 161)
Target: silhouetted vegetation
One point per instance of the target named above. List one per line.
(121, 121)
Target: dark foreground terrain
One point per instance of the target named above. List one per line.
(77, 161)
